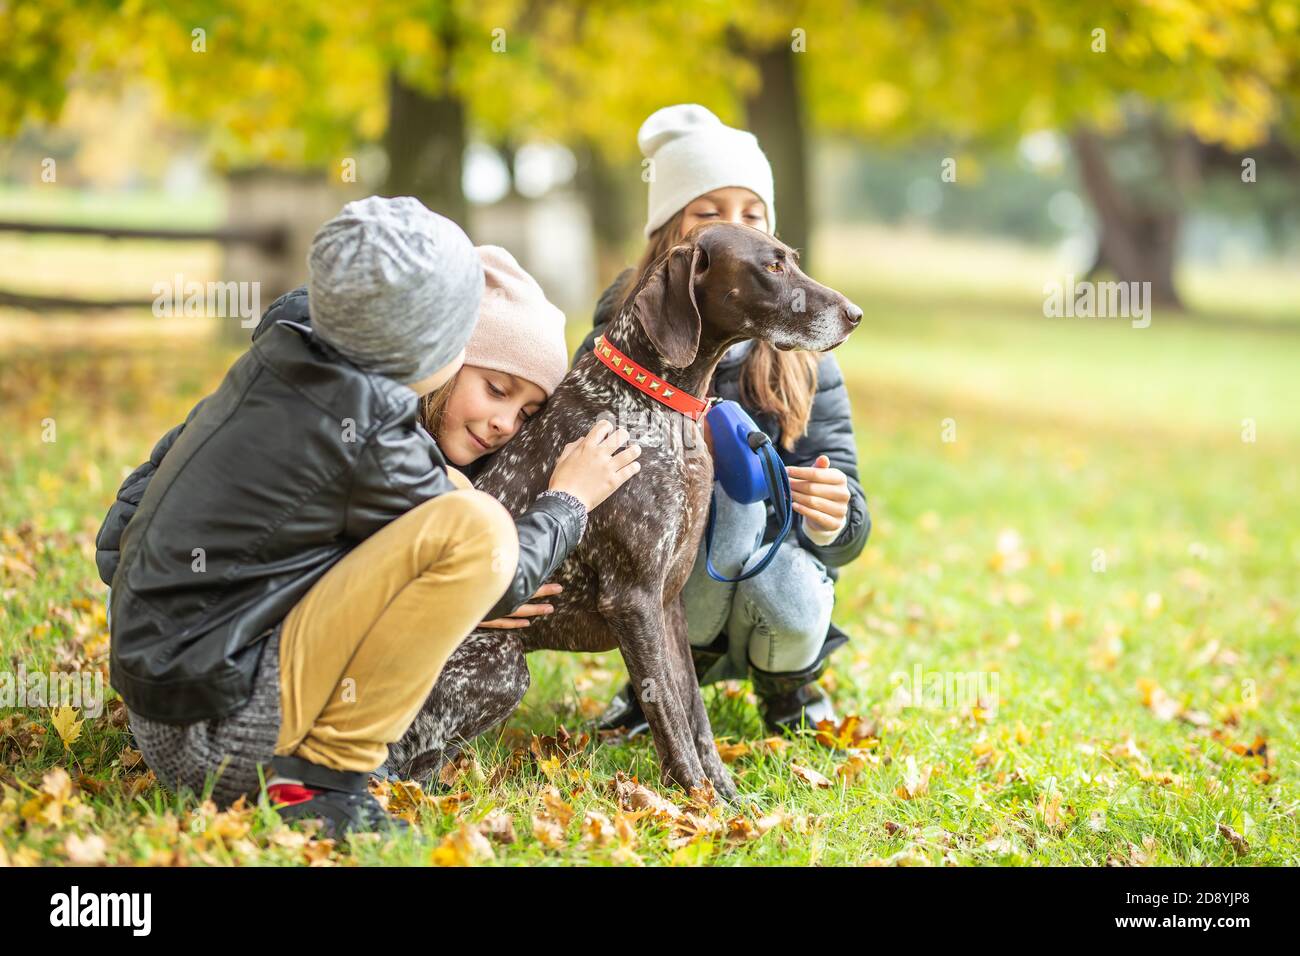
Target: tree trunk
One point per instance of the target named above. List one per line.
(774, 113)
(604, 191)
(294, 202)
(1137, 239)
(425, 141)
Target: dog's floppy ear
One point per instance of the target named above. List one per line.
(666, 308)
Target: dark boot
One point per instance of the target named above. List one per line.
(793, 700)
(705, 657)
(339, 799)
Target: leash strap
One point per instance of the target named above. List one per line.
(778, 484)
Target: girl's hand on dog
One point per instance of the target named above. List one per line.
(821, 494)
(519, 616)
(592, 468)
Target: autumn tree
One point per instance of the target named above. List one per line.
(308, 84)
(1151, 83)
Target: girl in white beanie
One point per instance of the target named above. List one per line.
(774, 627)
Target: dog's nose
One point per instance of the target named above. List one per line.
(853, 314)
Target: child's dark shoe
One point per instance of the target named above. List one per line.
(340, 812)
(339, 799)
(793, 701)
(800, 709)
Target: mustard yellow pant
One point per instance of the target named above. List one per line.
(361, 651)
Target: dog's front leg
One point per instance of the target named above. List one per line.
(639, 625)
(688, 688)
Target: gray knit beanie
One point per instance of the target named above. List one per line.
(394, 286)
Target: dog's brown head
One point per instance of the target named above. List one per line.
(728, 282)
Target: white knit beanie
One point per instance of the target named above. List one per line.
(519, 331)
(693, 152)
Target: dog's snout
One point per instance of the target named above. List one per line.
(852, 314)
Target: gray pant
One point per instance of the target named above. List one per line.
(778, 619)
(226, 751)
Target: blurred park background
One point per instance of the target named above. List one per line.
(1104, 514)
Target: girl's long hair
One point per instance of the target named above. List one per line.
(782, 384)
(435, 403)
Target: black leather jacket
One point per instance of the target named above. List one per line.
(830, 433)
(296, 458)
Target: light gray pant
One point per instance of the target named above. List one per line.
(776, 620)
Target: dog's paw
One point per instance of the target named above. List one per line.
(724, 784)
(724, 787)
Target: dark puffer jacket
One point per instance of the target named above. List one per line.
(297, 457)
(830, 433)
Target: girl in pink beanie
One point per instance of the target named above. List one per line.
(514, 359)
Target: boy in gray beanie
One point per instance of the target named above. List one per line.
(394, 287)
(295, 563)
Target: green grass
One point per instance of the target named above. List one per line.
(1076, 441)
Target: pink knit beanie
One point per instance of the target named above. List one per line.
(518, 331)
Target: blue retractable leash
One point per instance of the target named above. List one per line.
(750, 471)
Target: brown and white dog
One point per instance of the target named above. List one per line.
(623, 582)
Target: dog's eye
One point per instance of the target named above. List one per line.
(775, 266)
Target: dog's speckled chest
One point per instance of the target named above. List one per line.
(643, 537)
